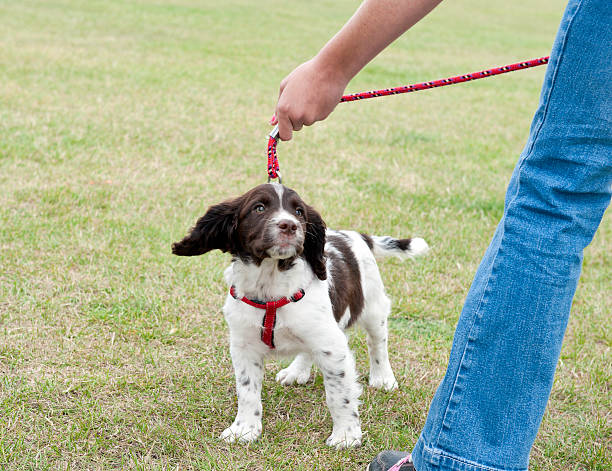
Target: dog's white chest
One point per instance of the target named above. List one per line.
(247, 323)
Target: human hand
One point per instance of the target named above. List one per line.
(312, 91)
(307, 95)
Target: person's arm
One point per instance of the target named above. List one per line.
(312, 91)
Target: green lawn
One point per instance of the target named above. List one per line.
(121, 122)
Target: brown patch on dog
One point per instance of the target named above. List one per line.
(368, 240)
(404, 244)
(346, 291)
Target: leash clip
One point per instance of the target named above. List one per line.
(274, 133)
(273, 168)
(280, 178)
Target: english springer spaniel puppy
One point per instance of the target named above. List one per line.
(295, 286)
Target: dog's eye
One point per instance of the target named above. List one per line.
(260, 208)
(299, 212)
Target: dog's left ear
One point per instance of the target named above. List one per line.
(314, 243)
(215, 230)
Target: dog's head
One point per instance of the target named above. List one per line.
(269, 221)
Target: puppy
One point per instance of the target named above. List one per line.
(295, 286)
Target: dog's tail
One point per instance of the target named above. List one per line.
(386, 246)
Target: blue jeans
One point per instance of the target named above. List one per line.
(488, 408)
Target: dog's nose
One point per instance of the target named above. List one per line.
(286, 226)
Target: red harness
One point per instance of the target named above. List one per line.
(269, 319)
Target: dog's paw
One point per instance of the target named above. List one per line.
(387, 383)
(346, 438)
(289, 375)
(242, 433)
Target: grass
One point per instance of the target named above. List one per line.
(120, 122)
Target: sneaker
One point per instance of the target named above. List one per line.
(392, 461)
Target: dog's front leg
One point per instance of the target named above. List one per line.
(298, 372)
(342, 392)
(248, 367)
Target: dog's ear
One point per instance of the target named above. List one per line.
(314, 243)
(215, 230)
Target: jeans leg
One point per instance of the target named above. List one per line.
(487, 410)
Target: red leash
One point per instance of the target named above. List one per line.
(273, 167)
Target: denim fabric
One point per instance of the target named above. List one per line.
(488, 408)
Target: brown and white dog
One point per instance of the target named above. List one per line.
(312, 283)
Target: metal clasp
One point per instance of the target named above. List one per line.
(274, 133)
(280, 178)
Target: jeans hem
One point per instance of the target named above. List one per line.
(427, 458)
